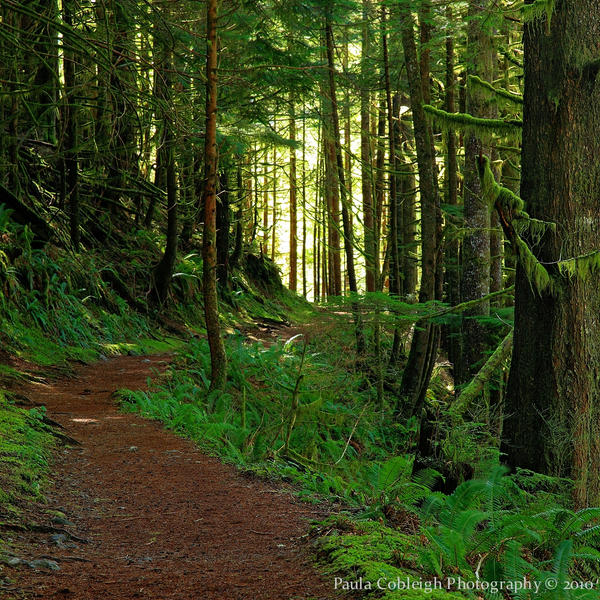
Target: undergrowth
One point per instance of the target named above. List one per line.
(26, 445)
(302, 411)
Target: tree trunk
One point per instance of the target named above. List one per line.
(452, 331)
(274, 190)
(293, 282)
(304, 284)
(238, 247)
(553, 395)
(417, 372)
(163, 272)
(332, 202)
(70, 135)
(345, 200)
(475, 276)
(218, 358)
(365, 151)
(223, 222)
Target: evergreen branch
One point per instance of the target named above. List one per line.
(477, 384)
(538, 10)
(512, 59)
(505, 94)
(580, 266)
(463, 306)
(465, 122)
(510, 208)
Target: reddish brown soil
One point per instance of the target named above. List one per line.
(161, 520)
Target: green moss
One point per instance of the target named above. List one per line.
(581, 266)
(539, 9)
(377, 554)
(25, 449)
(484, 128)
(496, 93)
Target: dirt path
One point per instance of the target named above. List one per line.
(161, 520)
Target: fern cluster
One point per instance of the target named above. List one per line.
(484, 531)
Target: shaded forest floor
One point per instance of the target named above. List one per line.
(134, 511)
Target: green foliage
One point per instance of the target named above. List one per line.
(485, 531)
(483, 127)
(580, 267)
(330, 423)
(539, 9)
(496, 93)
(25, 449)
(376, 553)
(56, 307)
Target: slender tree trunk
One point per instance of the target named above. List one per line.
(274, 223)
(553, 395)
(293, 283)
(218, 358)
(452, 331)
(265, 243)
(345, 201)
(365, 150)
(70, 129)
(163, 272)
(238, 248)
(417, 372)
(339, 162)
(304, 284)
(408, 193)
(223, 222)
(332, 199)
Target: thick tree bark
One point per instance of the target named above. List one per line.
(553, 395)
(218, 358)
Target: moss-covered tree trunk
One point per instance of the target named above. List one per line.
(417, 372)
(475, 274)
(451, 256)
(218, 358)
(553, 395)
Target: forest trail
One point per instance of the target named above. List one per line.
(149, 515)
